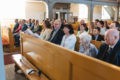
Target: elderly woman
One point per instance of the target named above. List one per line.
(86, 47)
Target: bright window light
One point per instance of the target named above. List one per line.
(11, 9)
(105, 14)
(83, 13)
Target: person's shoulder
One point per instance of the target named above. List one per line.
(118, 45)
(104, 46)
(92, 45)
(72, 36)
(119, 41)
(25, 25)
(61, 31)
(48, 29)
(101, 36)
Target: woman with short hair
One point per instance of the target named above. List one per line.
(69, 39)
(86, 47)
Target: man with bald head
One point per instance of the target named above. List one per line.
(110, 51)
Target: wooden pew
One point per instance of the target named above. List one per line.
(58, 63)
(11, 40)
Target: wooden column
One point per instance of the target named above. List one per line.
(50, 10)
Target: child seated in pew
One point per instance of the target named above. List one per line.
(86, 47)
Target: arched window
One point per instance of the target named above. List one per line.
(83, 11)
(105, 14)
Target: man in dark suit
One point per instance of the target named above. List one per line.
(57, 33)
(16, 33)
(24, 26)
(96, 35)
(15, 26)
(110, 52)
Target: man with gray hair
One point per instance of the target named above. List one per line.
(57, 33)
(110, 51)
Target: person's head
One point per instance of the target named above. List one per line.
(82, 21)
(85, 39)
(114, 25)
(75, 19)
(111, 36)
(37, 22)
(33, 21)
(83, 27)
(46, 24)
(68, 29)
(16, 20)
(96, 21)
(64, 22)
(100, 24)
(57, 24)
(20, 21)
(29, 21)
(23, 21)
(96, 31)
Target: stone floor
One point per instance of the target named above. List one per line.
(11, 75)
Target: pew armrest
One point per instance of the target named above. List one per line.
(24, 65)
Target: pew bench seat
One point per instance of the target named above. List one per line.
(24, 65)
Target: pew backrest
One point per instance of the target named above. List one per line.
(58, 63)
(12, 41)
(96, 43)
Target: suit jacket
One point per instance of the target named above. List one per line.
(113, 57)
(57, 38)
(115, 54)
(15, 27)
(99, 38)
(24, 27)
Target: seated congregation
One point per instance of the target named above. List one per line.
(75, 36)
(42, 60)
(72, 44)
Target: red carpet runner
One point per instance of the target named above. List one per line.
(8, 59)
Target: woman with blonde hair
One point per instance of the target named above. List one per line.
(46, 31)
